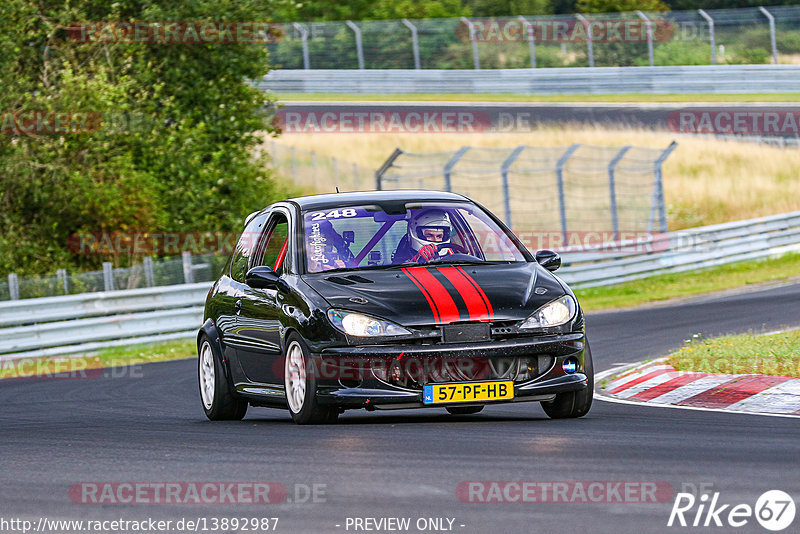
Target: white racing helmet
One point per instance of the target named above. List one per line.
(431, 219)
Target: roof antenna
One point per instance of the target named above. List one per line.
(337, 188)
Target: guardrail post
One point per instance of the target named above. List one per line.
(562, 206)
(359, 46)
(385, 167)
(658, 191)
(473, 36)
(108, 276)
(649, 27)
(61, 275)
(504, 174)
(149, 274)
(414, 42)
(589, 44)
(612, 190)
(188, 273)
(13, 286)
(772, 39)
(304, 40)
(531, 40)
(448, 168)
(710, 21)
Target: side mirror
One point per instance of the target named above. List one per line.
(548, 259)
(262, 277)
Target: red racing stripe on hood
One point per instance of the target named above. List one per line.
(476, 306)
(442, 301)
(425, 294)
(480, 292)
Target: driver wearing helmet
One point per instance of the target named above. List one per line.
(428, 236)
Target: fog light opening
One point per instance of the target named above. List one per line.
(570, 366)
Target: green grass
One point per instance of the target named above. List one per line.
(487, 97)
(668, 286)
(109, 357)
(776, 354)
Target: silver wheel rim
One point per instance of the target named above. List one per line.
(207, 375)
(295, 377)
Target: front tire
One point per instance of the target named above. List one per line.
(301, 387)
(574, 404)
(220, 402)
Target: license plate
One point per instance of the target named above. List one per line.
(468, 392)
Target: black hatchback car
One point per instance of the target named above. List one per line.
(389, 300)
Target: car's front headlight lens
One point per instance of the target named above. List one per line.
(555, 313)
(360, 325)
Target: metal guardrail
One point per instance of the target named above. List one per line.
(718, 79)
(83, 323)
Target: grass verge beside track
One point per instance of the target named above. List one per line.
(502, 97)
(775, 354)
(76, 366)
(669, 286)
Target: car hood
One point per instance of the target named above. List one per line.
(425, 295)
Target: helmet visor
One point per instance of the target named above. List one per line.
(434, 234)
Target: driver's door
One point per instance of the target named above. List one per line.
(259, 324)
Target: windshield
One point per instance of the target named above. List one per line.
(361, 237)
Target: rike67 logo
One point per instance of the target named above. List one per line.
(774, 510)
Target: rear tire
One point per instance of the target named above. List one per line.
(220, 401)
(574, 403)
(301, 387)
(463, 410)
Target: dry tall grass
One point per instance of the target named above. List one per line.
(706, 180)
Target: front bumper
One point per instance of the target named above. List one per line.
(348, 378)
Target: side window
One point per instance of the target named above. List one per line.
(245, 247)
(274, 244)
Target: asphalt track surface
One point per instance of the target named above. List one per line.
(150, 428)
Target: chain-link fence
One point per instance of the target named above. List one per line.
(151, 272)
(730, 36)
(318, 173)
(570, 189)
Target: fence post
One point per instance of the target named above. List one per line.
(531, 40)
(108, 276)
(612, 190)
(304, 38)
(188, 273)
(61, 275)
(414, 42)
(710, 34)
(589, 44)
(504, 174)
(448, 168)
(649, 26)
(13, 286)
(772, 39)
(562, 207)
(149, 274)
(359, 47)
(658, 190)
(473, 36)
(385, 167)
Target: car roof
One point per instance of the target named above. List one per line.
(332, 200)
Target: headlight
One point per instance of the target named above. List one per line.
(554, 313)
(360, 325)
